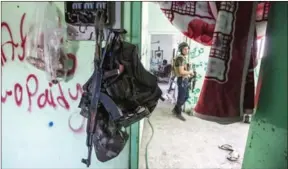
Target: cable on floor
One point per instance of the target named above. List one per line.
(147, 145)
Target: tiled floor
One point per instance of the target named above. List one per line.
(190, 144)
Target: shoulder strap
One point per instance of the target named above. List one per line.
(181, 56)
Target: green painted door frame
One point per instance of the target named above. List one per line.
(266, 146)
(131, 21)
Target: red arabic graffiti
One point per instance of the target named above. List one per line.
(12, 43)
(44, 98)
(18, 92)
(78, 129)
(5, 27)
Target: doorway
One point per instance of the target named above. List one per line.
(195, 142)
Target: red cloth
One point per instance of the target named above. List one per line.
(228, 87)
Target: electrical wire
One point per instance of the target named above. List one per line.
(147, 145)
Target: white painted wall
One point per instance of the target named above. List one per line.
(160, 28)
(158, 21)
(27, 139)
(165, 44)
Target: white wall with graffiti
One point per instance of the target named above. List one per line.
(198, 56)
(41, 125)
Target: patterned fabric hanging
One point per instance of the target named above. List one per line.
(231, 29)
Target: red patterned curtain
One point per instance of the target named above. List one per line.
(231, 29)
(197, 20)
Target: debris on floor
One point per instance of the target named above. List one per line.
(233, 154)
(190, 144)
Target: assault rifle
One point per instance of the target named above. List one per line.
(192, 80)
(92, 95)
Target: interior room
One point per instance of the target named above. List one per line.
(198, 142)
(144, 85)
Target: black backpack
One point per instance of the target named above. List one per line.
(134, 91)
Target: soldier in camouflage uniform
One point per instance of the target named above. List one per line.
(182, 73)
